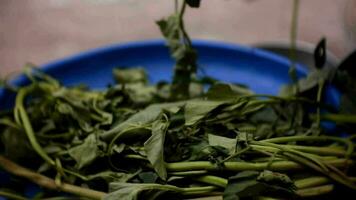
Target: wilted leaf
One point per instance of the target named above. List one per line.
(246, 185)
(228, 143)
(222, 91)
(196, 110)
(183, 53)
(143, 117)
(130, 191)
(85, 153)
(148, 177)
(154, 147)
(110, 176)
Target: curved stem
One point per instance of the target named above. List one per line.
(236, 154)
(46, 182)
(23, 117)
(181, 24)
(350, 146)
(308, 157)
(9, 123)
(10, 195)
(213, 180)
(342, 180)
(325, 151)
(84, 178)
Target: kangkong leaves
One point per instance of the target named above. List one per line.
(196, 110)
(135, 137)
(249, 184)
(222, 91)
(154, 147)
(130, 191)
(228, 143)
(85, 153)
(181, 50)
(142, 117)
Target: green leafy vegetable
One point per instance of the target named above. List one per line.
(194, 137)
(249, 184)
(127, 191)
(181, 50)
(154, 147)
(194, 111)
(85, 153)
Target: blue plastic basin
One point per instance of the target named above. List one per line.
(262, 71)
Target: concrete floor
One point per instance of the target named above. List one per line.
(39, 31)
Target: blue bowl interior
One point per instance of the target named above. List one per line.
(262, 71)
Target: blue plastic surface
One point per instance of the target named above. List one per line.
(262, 71)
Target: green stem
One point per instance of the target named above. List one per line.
(197, 190)
(350, 146)
(293, 39)
(9, 123)
(309, 157)
(311, 182)
(10, 195)
(189, 173)
(46, 182)
(325, 151)
(182, 26)
(236, 154)
(212, 180)
(23, 117)
(338, 118)
(135, 156)
(312, 162)
(241, 166)
(315, 191)
(336, 177)
(318, 99)
(84, 178)
(184, 191)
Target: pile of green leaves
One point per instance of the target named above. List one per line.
(176, 140)
(133, 141)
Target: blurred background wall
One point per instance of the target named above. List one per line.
(40, 31)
